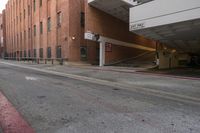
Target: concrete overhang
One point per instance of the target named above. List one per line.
(173, 22)
(116, 8)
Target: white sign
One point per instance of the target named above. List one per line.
(89, 36)
(137, 26)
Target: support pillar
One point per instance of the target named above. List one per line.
(102, 54)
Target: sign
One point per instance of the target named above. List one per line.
(137, 26)
(91, 36)
(108, 47)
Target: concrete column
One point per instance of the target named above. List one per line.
(102, 54)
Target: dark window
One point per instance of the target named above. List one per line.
(58, 52)
(35, 30)
(49, 52)
(83, 51)
(82, 19)
(20, 17)
(35, 53)
(20, 54)
(41, 52)
(24, 13)
(29, 10)
(24, 53)
(24, 35)
(34, 5)
(29, 53)
(49, 24)
(20, 37)
(29, 32)
(59, 19)
(40, 3)
(41, 28)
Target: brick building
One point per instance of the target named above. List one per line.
(55, 29)
(1, 37)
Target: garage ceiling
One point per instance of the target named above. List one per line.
(184, 36)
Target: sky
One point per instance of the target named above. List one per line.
(2, 4)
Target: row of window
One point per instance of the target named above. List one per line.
(41, 27)
(41, 53)
(29, 11)
(48, 24)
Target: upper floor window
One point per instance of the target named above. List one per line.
(29, 10)
(49, 24)
(59, 19)
(35, 30)
(34, 5)
(41, 27)
(24, 13)
(40, 3)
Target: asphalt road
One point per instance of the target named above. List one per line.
(60, 104)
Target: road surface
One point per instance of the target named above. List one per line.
(63, 102)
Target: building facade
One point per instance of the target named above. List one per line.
(51, 29)
(1, 37)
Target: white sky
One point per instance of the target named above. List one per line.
(2, 4)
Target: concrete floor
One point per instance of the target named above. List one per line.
(100, 101)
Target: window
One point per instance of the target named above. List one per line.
(34, 5)
(35, 53)
(24, 13)
(40, 3)
(29, 32)
(29, 53)
(20, 17)
(20, 37)
(20, 54)
(24, 53)
(58, 52)
(24, 35)
(59, 19)
(49, 24)
(82, 19)
(41, 52)
(35, 30)
(41, 28)
(83, 51)
(49, 52)
(29, 10)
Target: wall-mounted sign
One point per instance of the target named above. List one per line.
(137, 26)
(108, 47)
(91, 36)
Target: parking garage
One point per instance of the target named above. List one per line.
(175, 30)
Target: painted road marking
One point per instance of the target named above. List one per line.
(10, 120)
(143, 90)
(31, 78)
